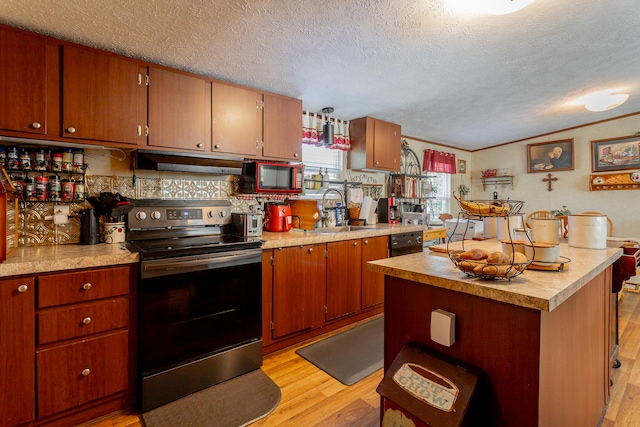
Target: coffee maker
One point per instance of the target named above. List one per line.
(387, 210)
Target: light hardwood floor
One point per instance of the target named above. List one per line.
(312, 398)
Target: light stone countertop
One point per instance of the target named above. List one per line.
(296, 237)
(540, 290)
(46, 259)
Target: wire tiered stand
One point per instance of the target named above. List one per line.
(481, 268)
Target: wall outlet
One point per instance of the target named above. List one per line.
(443, 327)
(61, 214)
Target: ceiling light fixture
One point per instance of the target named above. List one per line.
(327, 128)
(503, 7)
(603, 100)
(493, 7)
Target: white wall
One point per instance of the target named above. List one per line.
(572, 187)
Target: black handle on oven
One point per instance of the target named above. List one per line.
(167, 267)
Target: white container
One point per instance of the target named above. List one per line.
(114, 232)
(542, 251)
(545, 229)
(506, 224)
(588, 231)
(509, 247)
(490, 227)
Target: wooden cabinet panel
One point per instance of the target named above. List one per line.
(179, 110)
(77, 373)
(375, 144)
(236, 120)
(57, 289)
(17, 351)
(344, 261)
(81, 320)
(373, 248)
(23, 82)
(298, 288)
(282, 127)
(100, 96)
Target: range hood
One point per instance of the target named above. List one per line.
(184, 162)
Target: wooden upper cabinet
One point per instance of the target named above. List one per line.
(23, 82)
(179, 110)
(254, 124)
(375, 144)
(236, 120)
(101, 96)
(17, 351)
(282, 127)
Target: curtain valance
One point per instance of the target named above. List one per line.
(312, 132)
(439, 161)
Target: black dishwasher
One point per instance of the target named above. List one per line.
(406, 243)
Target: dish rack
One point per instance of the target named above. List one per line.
(480, 209)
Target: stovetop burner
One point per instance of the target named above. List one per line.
(173, 228)
(185, 246)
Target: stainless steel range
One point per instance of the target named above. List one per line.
(200, 297)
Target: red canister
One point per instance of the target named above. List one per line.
(42, 188)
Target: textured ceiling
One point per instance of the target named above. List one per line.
(464, 80)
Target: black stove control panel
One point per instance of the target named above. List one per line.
(176, 213)
(180, 214)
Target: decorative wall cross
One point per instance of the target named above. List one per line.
(548, 179)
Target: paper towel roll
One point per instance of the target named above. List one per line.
(368, 209)
(490, 227)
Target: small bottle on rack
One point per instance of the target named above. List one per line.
(325, 178)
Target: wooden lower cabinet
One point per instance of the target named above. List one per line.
(17, 351)
(344, 278)
(67, 346)
(373, 248)
(299, 277)
(312, 289)
(81, 372)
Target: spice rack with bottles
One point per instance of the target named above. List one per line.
(42, 174)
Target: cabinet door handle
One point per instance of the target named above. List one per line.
(366, 242)
(86, 286)
(86, 320)
(355, 243)
(71, 130)
(36, 125)
(23, 288)
(377, 163)
(295, 154)
(217, 146)
(199, 145)
(310, 249)
(86, 372)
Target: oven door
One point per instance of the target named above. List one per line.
(195, 306)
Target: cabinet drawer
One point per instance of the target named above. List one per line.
(78, 373)
(81, 320)
(68, 288)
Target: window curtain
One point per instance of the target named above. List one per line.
(439, 161)
(312, 132)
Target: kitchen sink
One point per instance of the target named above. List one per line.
(343, 229)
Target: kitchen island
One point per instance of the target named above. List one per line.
(541, 339)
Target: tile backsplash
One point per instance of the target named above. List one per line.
(34, 230)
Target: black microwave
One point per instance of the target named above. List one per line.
(271, 177)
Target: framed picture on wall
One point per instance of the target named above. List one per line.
(615, 154)
(462, 166)
(550, 156)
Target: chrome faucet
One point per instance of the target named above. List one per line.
(324, 210)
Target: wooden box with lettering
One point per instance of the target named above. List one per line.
(421, 390)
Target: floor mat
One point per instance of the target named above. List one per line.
(236, 402)
(351, 355)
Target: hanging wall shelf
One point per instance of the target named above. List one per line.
(497, 180)
(615, 181)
